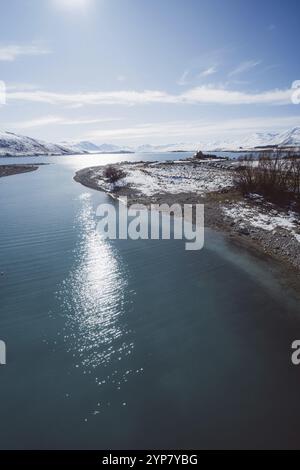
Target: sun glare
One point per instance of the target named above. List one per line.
(72, 5)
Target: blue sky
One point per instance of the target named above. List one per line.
(139, 71)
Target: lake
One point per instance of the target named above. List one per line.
(135, 344)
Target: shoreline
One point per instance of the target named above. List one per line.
(226, 210)
(11, 170)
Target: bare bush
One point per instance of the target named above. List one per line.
(246, 157)
(277, 179)
(113, 174)
(295, 175)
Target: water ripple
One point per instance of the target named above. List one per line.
(93, 298)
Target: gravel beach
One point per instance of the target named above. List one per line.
(249, 220)
(10, 170)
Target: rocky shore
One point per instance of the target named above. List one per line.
(250, 220)
(9, 170)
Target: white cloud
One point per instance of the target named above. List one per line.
(59, 120)
(244, 67)
(183, 79)
(198, 95)
(126, 97)
(211, 95)
(39, 122)
(11, 52)
(208, 72)
(79, 122)
(194, 130)
(17, 86)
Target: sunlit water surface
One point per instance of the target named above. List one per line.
(135, 344)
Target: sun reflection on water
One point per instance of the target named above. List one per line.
(94, 299)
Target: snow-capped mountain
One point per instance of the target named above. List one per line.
(110, 148)
(186, 147)
(258, 139)
(91, 147)
(290, 138)
(14, 145)
(78, 147)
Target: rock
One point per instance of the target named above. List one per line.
(244, 230)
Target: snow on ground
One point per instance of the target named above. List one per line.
(254, 216)
(176, 178)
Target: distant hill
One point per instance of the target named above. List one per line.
(90, 147)
(14, 145)
(290, 138)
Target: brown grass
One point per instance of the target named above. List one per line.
(277, 179)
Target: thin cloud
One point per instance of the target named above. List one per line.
(11, 52)
(183, 79)
(194, 130)
(127, 97)
(208, 72)
(211, 95)
(244, 67)
(198, 95)
(39, 122)
(59, 120)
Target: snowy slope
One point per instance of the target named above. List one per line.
(248, 142)
(90, 147)
(259, 139)
(290, 138)
(81, 147)
(188, 147)
(110, 148)
(17, 145)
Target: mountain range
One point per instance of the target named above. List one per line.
(16, 145)
(90, 147)
(289, 138)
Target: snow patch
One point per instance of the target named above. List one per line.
(177, 178)
(270, 221)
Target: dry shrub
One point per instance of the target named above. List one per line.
(277, 179)
(113, 174)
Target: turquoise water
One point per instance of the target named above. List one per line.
(135, 344)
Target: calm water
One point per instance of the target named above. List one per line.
(135, 344)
